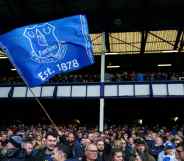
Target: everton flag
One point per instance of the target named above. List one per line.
(41, 51)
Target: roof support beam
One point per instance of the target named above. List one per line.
(177, 39)
(160, 38)
(107, 43)
(181, 43)
(144, 35)
(124, 42)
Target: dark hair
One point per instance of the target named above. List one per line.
(114, 151)
(52, 133)
(28, 140)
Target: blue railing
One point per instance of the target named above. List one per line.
(94, 90)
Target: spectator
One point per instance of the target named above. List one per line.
(90, 153)
(141, 151)
(45, 154)
(12, 151)
(180, 152)
(103, 153)
(168, 154)
(117, 155)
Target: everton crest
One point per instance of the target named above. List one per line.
(46, 48)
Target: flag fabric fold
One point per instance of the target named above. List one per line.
(41, 51)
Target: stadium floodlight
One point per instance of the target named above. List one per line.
(113, 66)
(169, 51)
(112, 53)
(140, 121)
(3, 57)
(164, 65)
(176, 119)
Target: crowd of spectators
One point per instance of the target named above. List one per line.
(78, 143)
(109, 77)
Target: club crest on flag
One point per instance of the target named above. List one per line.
(41, 51)
(46, 48)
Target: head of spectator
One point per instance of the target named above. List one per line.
(117, 155)
(3, 139)
(91, 152)
(9, 133)
(140, 145)
(100, 145)
(177, 140)
(180, 152)
(85, 142)
(118, 144)
(91, 137)
(51, 140)
(169, 148)
(130, 141)
(158, 141)
(71, 138)
(13, 145)
(153, 135)
(28, 146)
(14, 142)
(79, 135)
(58, 154)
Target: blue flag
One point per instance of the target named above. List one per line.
(43, 50)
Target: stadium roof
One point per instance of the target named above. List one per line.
(132, 26)
(103, 15)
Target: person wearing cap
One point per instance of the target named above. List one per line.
(141, 152)
(13, 149)
(27, 149)
(168, 154)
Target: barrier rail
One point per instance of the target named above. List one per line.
(92, 90)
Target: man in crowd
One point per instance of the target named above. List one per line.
(46, 153)
(168, 154)
(13, 150)
(90, 153)
(180, 152)
(72, 147)
(141, 150)
(103, 153)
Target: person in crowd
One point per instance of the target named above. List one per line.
(169, 152)
(13, 150)
(129, 149)
(28, 147)
(72, 147)
(180, 152)
(90, 153)
(157, 146)
(45, 153)
(117, 155)
(141, 151)
(104, 153)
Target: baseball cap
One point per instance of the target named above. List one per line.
(169, 145)
(16, 140)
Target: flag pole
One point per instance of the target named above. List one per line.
(102, 79)
(38, 101)
(43, 108)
